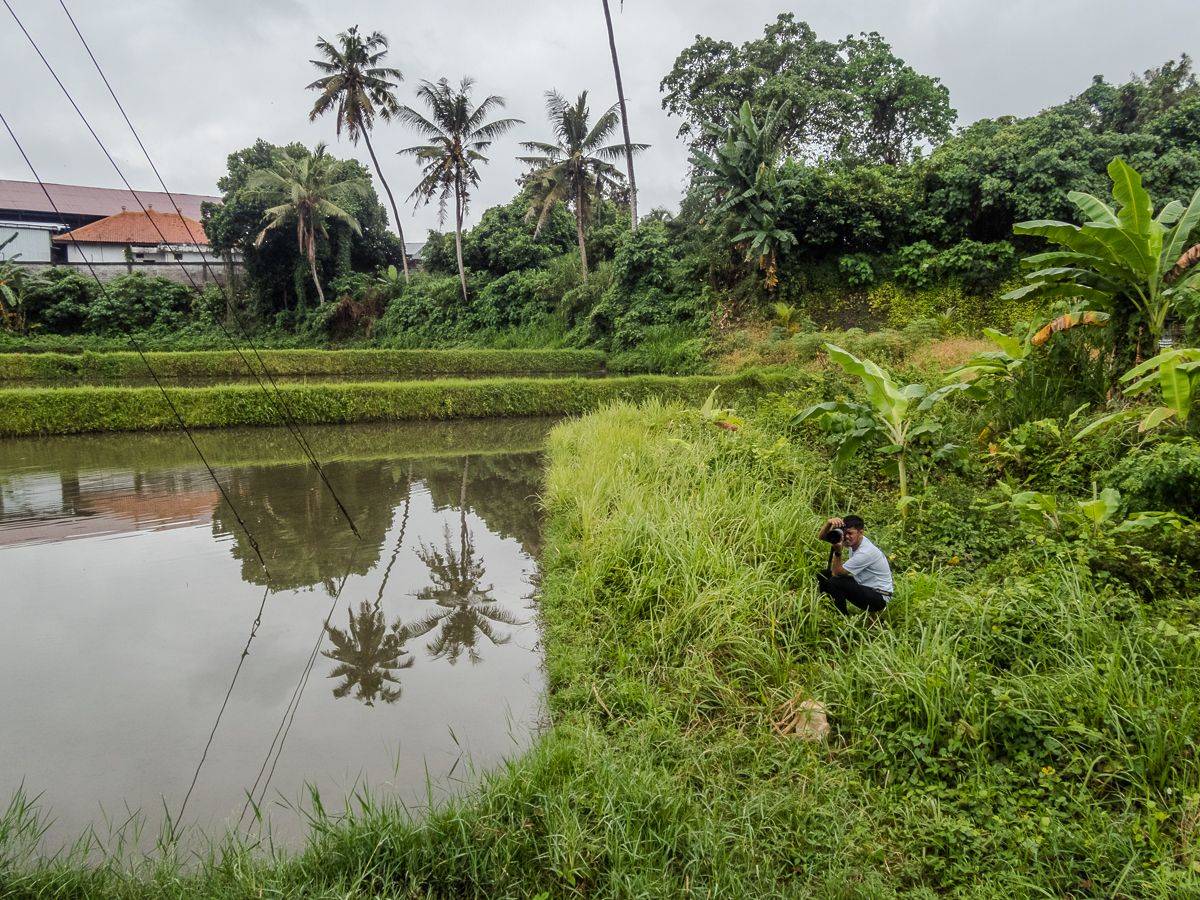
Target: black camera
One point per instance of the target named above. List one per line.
(835, 535)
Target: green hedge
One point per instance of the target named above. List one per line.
(364, 363)
(90, 409)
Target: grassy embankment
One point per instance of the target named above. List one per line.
(1024, 730)
(359, 363)
(90, 409)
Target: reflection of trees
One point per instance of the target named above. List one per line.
(466, 609)
(304, 537)
(504, 489)
(369, 653)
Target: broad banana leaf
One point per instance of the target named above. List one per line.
(1070, 320)
(1103, 507)
(891, 403)
(1066, 235)
(1137, 210)
(1156, 418)
(1123, 416)
(1170, 214)
(1178, 238)
(1060, 289)
(1095, 209)
(1010, 345)
(1138, 252)
(822, 408)
(972, 390)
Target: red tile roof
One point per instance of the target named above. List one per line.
(151, 227)
(89, 201)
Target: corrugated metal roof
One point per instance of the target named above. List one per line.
(89, 201)
(137, 228)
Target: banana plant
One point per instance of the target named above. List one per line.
(883, 419)
(1176, 373)
(1124, 255)
(13, 286)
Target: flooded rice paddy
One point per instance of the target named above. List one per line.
(146, 652)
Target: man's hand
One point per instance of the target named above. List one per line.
(835, 522)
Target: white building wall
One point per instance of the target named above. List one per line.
(163, 254)
(32, 243)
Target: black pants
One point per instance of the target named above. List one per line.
(843, 588)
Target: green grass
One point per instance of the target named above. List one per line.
(91, 409)
(1023, 732)
(358, 363)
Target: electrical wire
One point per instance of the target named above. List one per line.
(228, 694)
(289, 712)
(281, 407)
(146, 362)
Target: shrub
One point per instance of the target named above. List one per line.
(1165, 477)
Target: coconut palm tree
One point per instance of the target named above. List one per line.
(308, 190)
(457, 133)
(574, 169)
(612, 45)
(358, 89)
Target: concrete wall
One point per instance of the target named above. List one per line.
(106, 271)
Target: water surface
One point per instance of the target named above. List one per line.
(137, 613)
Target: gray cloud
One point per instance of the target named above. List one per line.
(201, 79)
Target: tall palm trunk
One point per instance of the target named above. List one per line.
(458, 223)
(579, 228)
(308, 241)
(395, 212)
(612, 45)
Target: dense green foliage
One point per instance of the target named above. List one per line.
(89, 409)
(277, 275)
(851, 99)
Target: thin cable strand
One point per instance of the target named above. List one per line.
(146, 362)
(281, 407)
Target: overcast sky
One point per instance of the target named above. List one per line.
(202, 78)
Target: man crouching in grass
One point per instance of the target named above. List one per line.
(865, 579)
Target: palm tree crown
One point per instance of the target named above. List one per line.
(577, 167)
(457, 134)
(357, 89)
(309, 190)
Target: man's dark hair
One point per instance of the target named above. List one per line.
(854, 522)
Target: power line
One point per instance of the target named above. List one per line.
(228, 694)
(287, 416)
(282, 408)
(146, 362)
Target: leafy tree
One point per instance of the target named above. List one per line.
(742, 179)
(574, 169)
(357, 88)
(852, 97)
(458, 133)
(1124, 258)
(307, 191)
(612, 45)
(369, 653)
(894, 107)
(275, 267)
(1131, 107)
(505, 240)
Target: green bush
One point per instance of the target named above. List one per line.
(1164, 477)
(87, 409)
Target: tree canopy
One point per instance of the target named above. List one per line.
(850, 98)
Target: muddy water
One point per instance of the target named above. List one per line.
(146, 651)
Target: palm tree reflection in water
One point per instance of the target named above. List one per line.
(466, 609)
(369, 655)
(371, 652)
